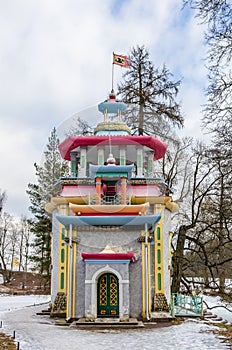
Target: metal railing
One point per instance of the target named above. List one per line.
(186, 305)
(109, 200)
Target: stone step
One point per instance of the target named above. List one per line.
(43, 313)
(210, 316)
(161, 317)
(107, 323)
(218, 318)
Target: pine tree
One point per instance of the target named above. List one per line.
(40, 193)
(150, 94)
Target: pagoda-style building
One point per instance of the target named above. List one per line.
(111, 225)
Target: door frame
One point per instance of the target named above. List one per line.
(110, 310)
(91, 289)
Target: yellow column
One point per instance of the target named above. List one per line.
(149, 277)
(158, 256)
(71, 286)
(74, 278)
(143, 283)
(68, 313)
(144, 277)
(62, 254)
(71, 271)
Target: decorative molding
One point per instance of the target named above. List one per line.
(113, 126)
(141, 239)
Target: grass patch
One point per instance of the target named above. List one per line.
(224, 331)
(6, 342)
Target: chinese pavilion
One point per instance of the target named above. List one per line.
(111, 225)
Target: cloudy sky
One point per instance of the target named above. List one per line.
(56, 59)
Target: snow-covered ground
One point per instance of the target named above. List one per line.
(220, 309)
(33, 332)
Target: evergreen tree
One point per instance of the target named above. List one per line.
(40, 193)
(150, 94)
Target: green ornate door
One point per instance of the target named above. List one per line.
(107, 296)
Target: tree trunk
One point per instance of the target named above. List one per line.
(21, 251)
(206, 277)
(178, 259)
(141, 119)
(221, 236)
(4, 271)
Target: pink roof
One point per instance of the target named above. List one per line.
(151, 142)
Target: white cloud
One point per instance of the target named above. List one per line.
(18, 153)
(56, 59)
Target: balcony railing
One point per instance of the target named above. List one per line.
(109, 200)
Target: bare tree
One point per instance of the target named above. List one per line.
(203, 242)
(217, 14)
(176, 168)
(13, 247)
(210, 246)
(201, 188)
(5, 231)
(24, 243)
(79, 126)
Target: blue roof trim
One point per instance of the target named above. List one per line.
(112, 107)
(107, 262)
(94, 169)
(120, 220)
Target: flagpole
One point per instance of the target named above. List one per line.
(113, 74)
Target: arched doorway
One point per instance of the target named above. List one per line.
(107, 295)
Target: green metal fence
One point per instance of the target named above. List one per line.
(186, 305)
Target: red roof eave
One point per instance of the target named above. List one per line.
(151, 142)
(108, 256)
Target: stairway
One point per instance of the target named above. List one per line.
(110, 191)
(213, 318)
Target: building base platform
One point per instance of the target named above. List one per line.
(104, 323)
(115, 323)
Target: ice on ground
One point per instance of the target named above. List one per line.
(35, 332)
